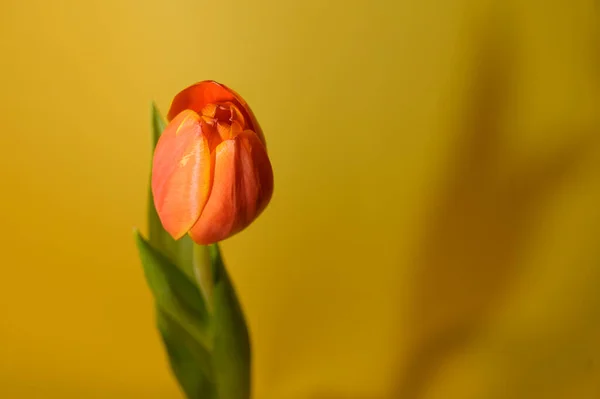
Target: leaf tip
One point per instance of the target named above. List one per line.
(138, 237)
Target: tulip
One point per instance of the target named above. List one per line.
(211, 175)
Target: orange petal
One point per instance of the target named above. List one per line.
(253, 124)
(251, 121)
(242, 188)
(181, 173)
(237, 115)
(209, 110)
(197, 96)
(224, 130)
(257, 172)
(220, 213)
(227, 132)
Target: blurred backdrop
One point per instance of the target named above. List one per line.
(435, 227)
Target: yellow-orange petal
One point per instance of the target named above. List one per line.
(219, 215)
(181, 173)
(242, 187)
(209, 110)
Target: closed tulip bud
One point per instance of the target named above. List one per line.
(211, 175)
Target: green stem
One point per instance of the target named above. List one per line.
(204, 273)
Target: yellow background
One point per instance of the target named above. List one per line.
(435, 227)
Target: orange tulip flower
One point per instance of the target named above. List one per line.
(211, 175)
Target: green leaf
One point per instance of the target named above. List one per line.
(185, 356)
(174, 293)
(209, 353)
(183, 322)
(178, 251)
(231, 347)
(155, 227)
(158, 124)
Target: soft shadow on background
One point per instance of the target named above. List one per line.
(435, 224)
(484, 219)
